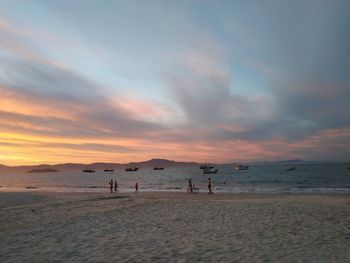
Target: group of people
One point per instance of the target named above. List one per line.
(193, 189)
(114, 186)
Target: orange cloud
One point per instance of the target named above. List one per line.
(16, 102)
(143, 110)
(24, 142)
(18, 149)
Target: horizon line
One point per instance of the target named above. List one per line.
(194, 162)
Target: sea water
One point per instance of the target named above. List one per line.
(307, 178)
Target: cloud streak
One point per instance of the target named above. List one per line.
(246, 85)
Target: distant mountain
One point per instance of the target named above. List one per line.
(162, 163)
(96, 166)
(145, 164)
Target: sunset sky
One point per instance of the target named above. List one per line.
(219, 81)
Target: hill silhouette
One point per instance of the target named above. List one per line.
(98, 165)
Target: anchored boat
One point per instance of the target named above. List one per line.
(241, 167)
(88, 171)
(210, 170)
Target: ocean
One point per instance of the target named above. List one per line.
(307, 178)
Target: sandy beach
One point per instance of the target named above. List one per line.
(173, 227)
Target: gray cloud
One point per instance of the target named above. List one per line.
(46, 79)
(300, 50)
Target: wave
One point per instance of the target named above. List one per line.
(219, 189)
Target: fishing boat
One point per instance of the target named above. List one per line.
(241, 167)
(131, 169)
(108, 170)
(88, 171)
(208, 170)
(157, 168)
(291, 168)
(206, 166)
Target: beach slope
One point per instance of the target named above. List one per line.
(173, 227)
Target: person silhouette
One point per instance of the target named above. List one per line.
(209, 186)
(136, 188)
(190, 186)
(116, 187)
(111, 186)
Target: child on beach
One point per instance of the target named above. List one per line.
(136, 188)
(116, 187)
(209, 186)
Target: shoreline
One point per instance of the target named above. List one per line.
(262, 191)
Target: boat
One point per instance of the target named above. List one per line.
(291, 168)
(241, 167)
(205, 166)
(88, 171)
(157, 168)
(131, 169)
(208, 170)
(108, 170)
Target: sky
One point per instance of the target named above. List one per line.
(216, 81)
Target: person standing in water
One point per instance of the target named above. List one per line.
(209, 186)
(115, 187)
(190, 186)
(111, 186)
(136, 188)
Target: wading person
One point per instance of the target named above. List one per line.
(190, 186)
(111, 186)
(116, 187)
(209, 186)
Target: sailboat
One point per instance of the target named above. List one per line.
(208, 170)
(206, 166)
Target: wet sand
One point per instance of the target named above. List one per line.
(173, 227)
